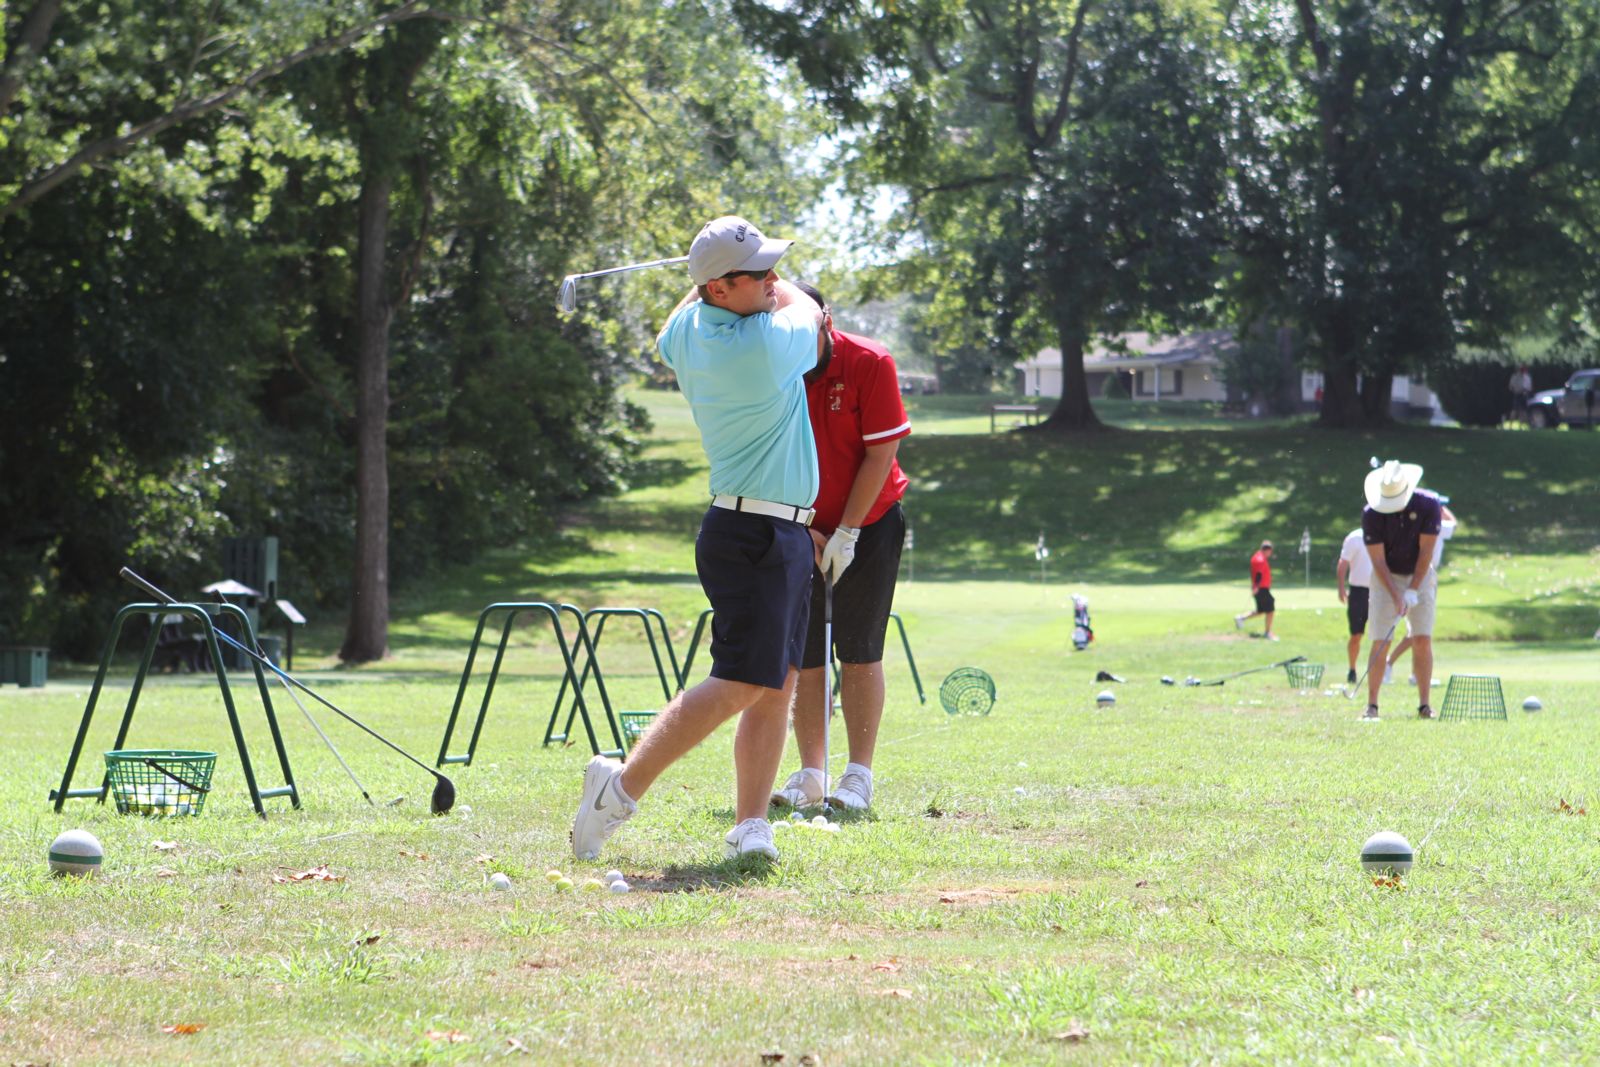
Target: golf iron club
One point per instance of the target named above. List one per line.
(567, 296)
(444, 790)
(1349, 691)
(1240, 674)
(827, 687)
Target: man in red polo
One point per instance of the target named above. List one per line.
(1261, 589)
(858, 419)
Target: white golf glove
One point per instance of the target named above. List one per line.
(1410, 596)
(839, 552)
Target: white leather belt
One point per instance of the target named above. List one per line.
(765, 507)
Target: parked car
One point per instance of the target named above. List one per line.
(1577, 403)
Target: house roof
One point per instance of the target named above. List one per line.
(1145, 350)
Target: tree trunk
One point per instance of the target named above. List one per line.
(1341, 404)
(1377, 398)
(1073, 411)
(367, 636)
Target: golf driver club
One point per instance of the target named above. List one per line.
(1240, 674)
(444, 790)
(567, 297)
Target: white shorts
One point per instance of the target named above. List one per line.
(1382, 612)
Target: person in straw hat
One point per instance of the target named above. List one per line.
(1399, 527)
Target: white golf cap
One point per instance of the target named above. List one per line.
(728, 244)
(1389, 488)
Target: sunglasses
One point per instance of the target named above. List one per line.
(756, 275)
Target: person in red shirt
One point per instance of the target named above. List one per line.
(858, 419)
(1261, 589)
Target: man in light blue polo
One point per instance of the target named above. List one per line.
(740, 343)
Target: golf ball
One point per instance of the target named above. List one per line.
(593, 884)
(779, 824)
(818, 820)
(795, 816)
(1020, 791)
(612, 875)
(1532, 704)
(1105, 697)
(499, 881)
(76, 852)
(465, 809)
(1386, 852)
(619, 886)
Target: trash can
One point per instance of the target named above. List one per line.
(27, 665)
(272, 648)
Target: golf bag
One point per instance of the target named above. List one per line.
(1082, 632)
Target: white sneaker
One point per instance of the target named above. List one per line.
(1388, 675)
(1238, 621)
(855, 788)
(603, 808)
(1270, 637)
(1412, 680)
(804, 789)
(753, 837)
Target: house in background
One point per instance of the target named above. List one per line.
(1154, 368)
(1189, 367)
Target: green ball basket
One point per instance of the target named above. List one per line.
(633, 724)
(1304, 675)
(967, 691)
(160, 781)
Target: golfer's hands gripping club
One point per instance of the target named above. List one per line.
(839, 552)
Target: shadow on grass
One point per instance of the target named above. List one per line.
(729, 874)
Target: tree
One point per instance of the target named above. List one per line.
(1409, 178)
(1062, 160)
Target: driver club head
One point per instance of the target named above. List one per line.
(1167, 680)
(444, 796)
(567, 298)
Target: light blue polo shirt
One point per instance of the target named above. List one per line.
(742, 376)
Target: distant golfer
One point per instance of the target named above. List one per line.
(1400, 526)
(1521, 386)
(1354, 572)
(858, 419)
(739, 343)
(1261, 589)
(1447, 530)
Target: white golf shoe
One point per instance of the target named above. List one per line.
(1238, 621)
(804, 789)
(753, 837)
(1388, 675)
(855, 788)
(603, 808)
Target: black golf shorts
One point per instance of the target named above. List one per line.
(756, 571)
(1264, 601)
(1355, 609)
(863, 597)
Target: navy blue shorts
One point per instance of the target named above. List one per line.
(1264, 602)
(1355, 609)
(756, 571)
(864, 596)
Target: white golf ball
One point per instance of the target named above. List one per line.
(1386, 852)
(610, 876)
(1106, 697)
(795, 816)
(499, 881)
(819, 821)
(76, 852)
(465, 809)
(779, 824)
(619, 886)
(1532, 704)
(1020, 791)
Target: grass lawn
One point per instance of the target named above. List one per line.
(1172, 879)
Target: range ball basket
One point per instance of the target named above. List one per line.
(1304, 675)
(160, 781)
(967, 691)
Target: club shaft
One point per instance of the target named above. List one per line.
(129, 575)
(631, 266)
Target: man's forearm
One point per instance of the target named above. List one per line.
(868, 483)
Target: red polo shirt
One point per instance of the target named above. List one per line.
(1260, 571)
(855, 403)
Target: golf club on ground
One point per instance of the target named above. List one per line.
(567, 297)
(1240, 674)
(444, 790)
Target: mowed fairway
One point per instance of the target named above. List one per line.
(1172, 879)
